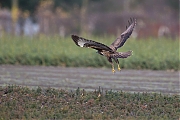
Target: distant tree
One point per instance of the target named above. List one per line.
(174, 4)
(68, 4)
(29, 5)
(82, 7)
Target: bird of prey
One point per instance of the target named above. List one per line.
(111, 51)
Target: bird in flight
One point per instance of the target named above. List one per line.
(111, 51)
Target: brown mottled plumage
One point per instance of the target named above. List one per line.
(111, 51)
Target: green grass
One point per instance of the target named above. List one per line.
(23, 103)
(155, 54)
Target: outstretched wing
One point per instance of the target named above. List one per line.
(119, 42)
(121, 54)
(82, 42)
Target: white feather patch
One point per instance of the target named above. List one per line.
(81, 43)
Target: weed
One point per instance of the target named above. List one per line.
(48, 103)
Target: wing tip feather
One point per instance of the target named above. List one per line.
(131, 52)
(73, 36)
(75, 39)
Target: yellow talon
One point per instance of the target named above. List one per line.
(113, 70)
(119, 67)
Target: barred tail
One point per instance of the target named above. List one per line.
(122, 54)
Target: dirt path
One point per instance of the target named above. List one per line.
(91, 78)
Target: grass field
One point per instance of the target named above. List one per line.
(23, 103)
(156, 54)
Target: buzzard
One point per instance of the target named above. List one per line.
(111, 51)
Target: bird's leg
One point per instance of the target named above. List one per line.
(110, 60)
(119, 67)
(117, 61)
(113, 70)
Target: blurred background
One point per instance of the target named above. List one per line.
(38, 33)
(156, 18)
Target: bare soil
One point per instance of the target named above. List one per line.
(91, 78)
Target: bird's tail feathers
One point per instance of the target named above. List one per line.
(122, 54)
